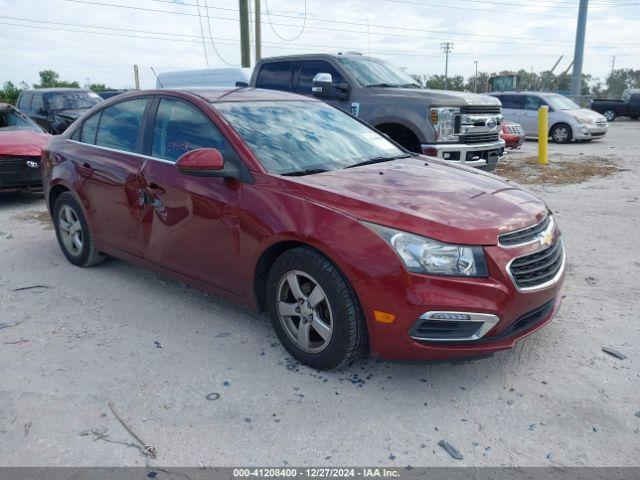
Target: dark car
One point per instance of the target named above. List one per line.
(106, 94)
(627, 106)
(54, 109)
(21, 144)
(287, 204)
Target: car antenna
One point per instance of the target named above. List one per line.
(157, 79)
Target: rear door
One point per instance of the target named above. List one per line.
(512, 106)
(107, 151)
(529, 117)
(275, 76)
(194, 229)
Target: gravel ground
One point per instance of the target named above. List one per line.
(156, 349)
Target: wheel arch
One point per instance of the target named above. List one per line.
(400, 133)
(54, 194)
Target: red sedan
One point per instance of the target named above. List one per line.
(287, 204)
(21, 144)
(512, 134)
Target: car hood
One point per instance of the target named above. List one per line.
(438, 97)
(424, 196)
(23, 142)
(585, 112)
(71, 114)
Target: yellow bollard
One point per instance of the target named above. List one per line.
(543, 134)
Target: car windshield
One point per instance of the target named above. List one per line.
(305, 137)
(72, 100)
(11, 119)
(373, 72)
(558, 102)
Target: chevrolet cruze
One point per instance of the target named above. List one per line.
(290, 206)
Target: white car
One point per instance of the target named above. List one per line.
(211, 77)
(567, 121)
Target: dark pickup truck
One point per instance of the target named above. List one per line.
(628, 106)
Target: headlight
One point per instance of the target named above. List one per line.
(583, 119)
(443, 121)
(425, 255)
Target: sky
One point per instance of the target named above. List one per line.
(99, 41)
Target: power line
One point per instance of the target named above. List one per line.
(213, 43)
(204, 46)
(304, 23)
(537, 44)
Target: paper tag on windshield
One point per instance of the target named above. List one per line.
(378, 141)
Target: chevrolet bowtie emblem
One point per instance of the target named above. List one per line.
(547, 238)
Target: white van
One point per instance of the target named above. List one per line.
(212, 77)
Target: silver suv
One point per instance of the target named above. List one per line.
(567, 121)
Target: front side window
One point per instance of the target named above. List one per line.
(373, 72)
(309, 69)
(275, 76)
(298, 136)
(89, 129)
(37, 104)
(181, 127)
(12, 119)
(120, 125)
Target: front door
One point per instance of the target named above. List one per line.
(529, 118)
(194, 230)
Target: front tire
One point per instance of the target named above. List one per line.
(561, 133)
(610, 115)
(313, 310)
(73, 232)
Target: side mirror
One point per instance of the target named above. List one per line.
(204, 162)
(321, 86)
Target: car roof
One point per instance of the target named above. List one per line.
(237, 94)
(309, 56)
(4, 105)
(524, 92)
(61, 89)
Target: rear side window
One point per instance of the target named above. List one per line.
(275, 76)
(512, 101)
(89, 129)
(181, 127)
(120, 125)
(25, 101)
(37, 103)
(309, 69)
(533, 103)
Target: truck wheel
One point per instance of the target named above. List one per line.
(635, 117)
(610, 115)
(313, 310)
(561, 133)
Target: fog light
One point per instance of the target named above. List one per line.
(384, 317)
(430, 151)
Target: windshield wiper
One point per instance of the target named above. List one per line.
(384, 85)
(373, 160)
(302, 173)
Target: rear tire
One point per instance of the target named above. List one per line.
(561, 133)
(313, 310)
(73, 232)
(610, 115)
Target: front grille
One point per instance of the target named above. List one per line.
(14, 171)
(481, 109)
(479, 137)
(515, 129)
(537, 269)
(601, 123)
(525, 235)
(529, 319)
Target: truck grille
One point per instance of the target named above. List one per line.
(527, 235)
(515, 129)
(479, 137)
(538, 269)
(481, 109)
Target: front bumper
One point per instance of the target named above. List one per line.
(519, 313)
(480, 155)
(589, 132)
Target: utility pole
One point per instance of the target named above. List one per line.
(475, 79)
(258, 31)
(576, 78)
(613, 66)
(245, 52)
(447, 48)
(136, 78)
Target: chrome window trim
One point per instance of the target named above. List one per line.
(546, 284)
(489, 321)
(550, 229)
(109, 149)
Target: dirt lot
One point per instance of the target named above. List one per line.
(156, 349)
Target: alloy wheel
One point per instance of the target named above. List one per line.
(560, 134)
(70, 230)
(609, 115)
(304, 311)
